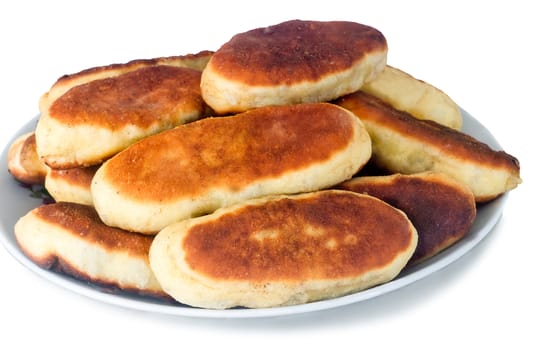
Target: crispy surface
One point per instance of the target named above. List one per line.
(263, 143)
(414, 96)
(83, 221)
(292, 62)
(219, 161)
(295, 51)
(89, 116)
(140, 98)
(326, 236)
(441, 209)
(23, 163)
(70, 238)
(404, 144)
(196, 61)
(283, 250)
(71, 185)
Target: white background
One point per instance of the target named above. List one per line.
(481, 53)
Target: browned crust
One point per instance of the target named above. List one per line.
(59, 265)
(141, 97)
(335, 234)
(229, 152)
(371, 109)
(79, 177)
(24, 163)
(83, 222)
(138, 63)
(441, 209)
(295, 51)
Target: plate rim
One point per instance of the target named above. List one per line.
(493, 211)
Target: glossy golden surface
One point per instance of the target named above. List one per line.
(330, 235)
(141, 98)
(229, 152)
(295, 51)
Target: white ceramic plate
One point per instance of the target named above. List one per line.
(16, 201)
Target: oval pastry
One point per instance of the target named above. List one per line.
(283, 250)
(441, 209)
(407, 145)
(71, 185)
(69, 238)
(89, 116)
(417, 97)
(215, 162)
(196, 61)
(23, 163)
(292, 62)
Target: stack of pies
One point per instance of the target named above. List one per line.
(236, 177)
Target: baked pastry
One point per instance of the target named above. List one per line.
(292, 62)
(196, 61)
(23, 163)
(441, 209)
(417, 97)
(283, 250)
(71, 185)
(199, 167)
(407, 145)
(88, 117)
(70, 238)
